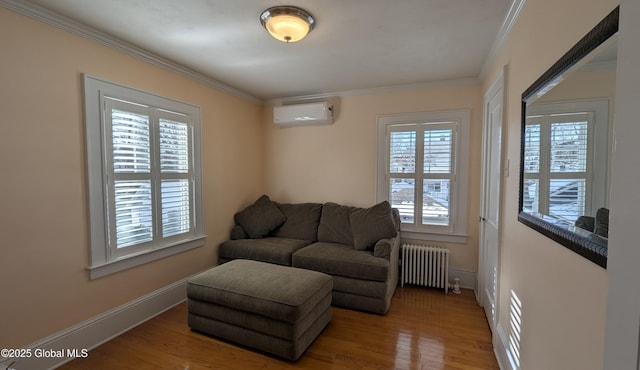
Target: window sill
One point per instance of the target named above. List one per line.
(124, 263)
(446, 238)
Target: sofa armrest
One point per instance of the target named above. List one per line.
(388, 248)
(382, 248)
(394, 261)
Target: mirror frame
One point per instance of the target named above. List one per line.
(582, 245)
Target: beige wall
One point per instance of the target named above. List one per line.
(337, 163)
(563, 295)
(44, 284)
(590, 84)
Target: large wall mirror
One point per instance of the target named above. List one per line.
(567, 121)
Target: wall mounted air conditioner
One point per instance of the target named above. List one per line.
(303, 114)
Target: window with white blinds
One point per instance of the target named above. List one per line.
(144, 176)
(557, 165)
(422, 170)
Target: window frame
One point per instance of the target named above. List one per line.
(456, 231)
(102, 260)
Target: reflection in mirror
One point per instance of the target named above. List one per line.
(566, 131)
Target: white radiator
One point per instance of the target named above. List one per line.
(425, 265)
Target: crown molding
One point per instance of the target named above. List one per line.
(505, 29)
(67, 24)
(472, 81)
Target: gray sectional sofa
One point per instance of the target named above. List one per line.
(358, 247)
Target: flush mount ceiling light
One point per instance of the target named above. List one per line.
(287, 23)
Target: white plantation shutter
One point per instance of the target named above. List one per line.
(133, 212)
(568, 166)
(569, 147)
(423, 172)
(402, 151)
(438, 150)
(531, 195)
(138, 135)
(131, 139)
(438, 162)
(144, 176)
(174, 146)
(531, 189)
(421, 160)
(557, 165)
(175, 173)
(567, 198)
(129, 171)
(532, 148)
(402, 170)
(175, 207)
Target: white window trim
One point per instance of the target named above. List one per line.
(598, 143)
(100, 264)
(462, 117)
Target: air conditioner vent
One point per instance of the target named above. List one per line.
(303, 114)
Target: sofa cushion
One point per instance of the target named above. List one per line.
(302, 221)
(369, 225)
(270, 249)
(360, 287)
(341, 260)
(260, 218)
(334, 224)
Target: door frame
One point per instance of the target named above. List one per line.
(497, 86)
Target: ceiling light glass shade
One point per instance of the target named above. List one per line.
(287, 23)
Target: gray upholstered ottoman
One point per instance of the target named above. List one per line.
(276, 309)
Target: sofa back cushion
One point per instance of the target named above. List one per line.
(334, 224)
(302, 221)
(237, 232)
(368, 225)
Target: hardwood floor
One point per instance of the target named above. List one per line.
(424, 329)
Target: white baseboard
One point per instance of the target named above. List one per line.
(500, 348)
(468, 279)
(91, 333)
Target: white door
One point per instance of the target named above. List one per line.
(490, 200)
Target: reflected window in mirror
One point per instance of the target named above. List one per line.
(565, 160)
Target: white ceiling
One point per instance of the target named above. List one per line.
(356, 44)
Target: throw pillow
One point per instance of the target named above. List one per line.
(260, 218)
(369, 225)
